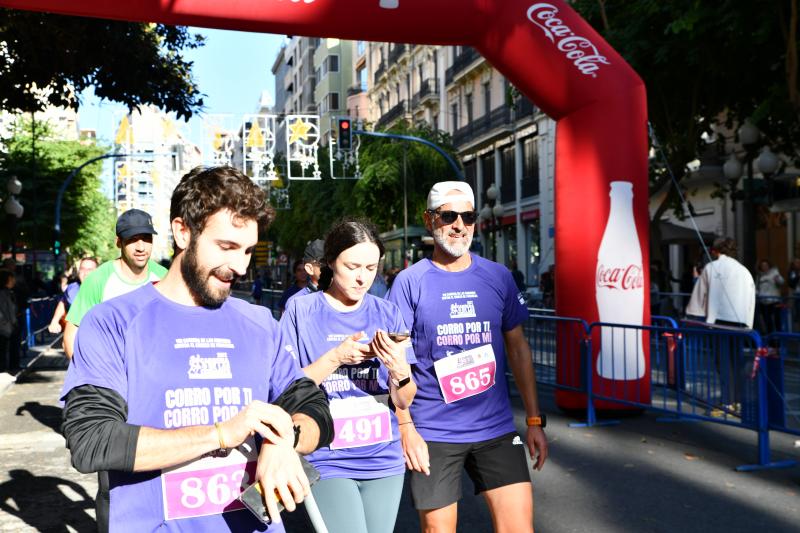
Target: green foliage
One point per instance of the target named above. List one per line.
(87, 217)
(702, 63)
(131, 63)
(378, 195)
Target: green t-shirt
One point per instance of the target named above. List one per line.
(105, 283)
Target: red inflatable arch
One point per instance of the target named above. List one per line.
(557, 60)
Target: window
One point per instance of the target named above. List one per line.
(468, 104)
(507, 182)
(361, 47)
(488, 173)
(470, 174)
(333, 63)
(362, 79)
(454, 115)
(487, 98)
(530, 167)
(333, 101)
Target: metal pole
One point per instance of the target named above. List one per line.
(426, 142)
(749, 222)
(405, 205)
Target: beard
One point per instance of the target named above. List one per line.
(197, 280)
(454, 250)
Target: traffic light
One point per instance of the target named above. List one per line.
(345, 134)
(56, 243)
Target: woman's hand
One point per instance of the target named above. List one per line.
(391, 354)
(351, 351)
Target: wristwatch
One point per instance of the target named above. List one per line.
(400, 383)
(540, 420)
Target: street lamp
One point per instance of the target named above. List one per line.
(491, 215)
(767, 164)
(14, 211)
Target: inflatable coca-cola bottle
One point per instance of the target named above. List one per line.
(620, 290)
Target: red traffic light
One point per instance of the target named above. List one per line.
(345, 124)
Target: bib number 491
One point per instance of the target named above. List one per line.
(361, 430)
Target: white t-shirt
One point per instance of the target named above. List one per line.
(725, 291)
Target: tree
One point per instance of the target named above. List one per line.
(87, 217)
(706, 64)
(378, 195)
(59, 56)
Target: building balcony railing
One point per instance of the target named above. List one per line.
(467, 57)
(392, 115)
(427, 89)
(496, 119)
(396, 52)
(379, 71)
(524, 108)
(355, 89)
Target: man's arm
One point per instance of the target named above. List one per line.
(518, 353)
(99, 437)
(68, 342)
(58, 314)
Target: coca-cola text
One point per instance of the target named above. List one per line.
(624, 278)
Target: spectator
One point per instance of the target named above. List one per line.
(85, 267)
(768, 290)
(258, 290)
(9, 358)
(519, 277)
(793, 279)
(300, 282)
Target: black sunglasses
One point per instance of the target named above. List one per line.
(448, 217)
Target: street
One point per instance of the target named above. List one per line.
(639, 476)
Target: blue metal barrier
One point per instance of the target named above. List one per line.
(781, 363)
(697, 373)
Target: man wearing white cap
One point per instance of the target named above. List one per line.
(466, 314)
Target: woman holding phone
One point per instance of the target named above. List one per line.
(355, 346)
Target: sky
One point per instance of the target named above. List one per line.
(232, 70)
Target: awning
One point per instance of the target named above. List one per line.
(674, 234)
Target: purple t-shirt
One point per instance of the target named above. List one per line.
(70, 293)
(313, 327)
(450, 312)
(179, 366)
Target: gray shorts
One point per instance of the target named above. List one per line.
(490, 464)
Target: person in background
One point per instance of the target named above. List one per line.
(768, 291)
(300, 282)
(86, 266)
(519, 277)
(379, 287)
(8, 321)
(793, 280)
(258, 290)
(312, 264)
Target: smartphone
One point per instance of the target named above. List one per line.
(253, 496)
(399, 336)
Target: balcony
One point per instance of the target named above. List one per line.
(388, 118)
(463, 60)
(427, 90)
(396, 52)
(380, 71)
(523, 108)
(496, 119)
(354, 90)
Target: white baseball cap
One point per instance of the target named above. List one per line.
(439, 193)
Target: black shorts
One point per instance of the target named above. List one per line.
(490, 464)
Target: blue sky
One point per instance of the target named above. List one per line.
(232, 70)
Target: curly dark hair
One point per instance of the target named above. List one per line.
(205, 190)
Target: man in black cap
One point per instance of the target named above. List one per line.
(132, 269)
(312, 264)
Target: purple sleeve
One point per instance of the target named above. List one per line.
(285, 368)
(514, 310)
(98, 359)
(400, 295)
(399, 325)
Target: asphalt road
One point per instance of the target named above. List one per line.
(638, 476)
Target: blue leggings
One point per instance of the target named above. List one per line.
(359, 505)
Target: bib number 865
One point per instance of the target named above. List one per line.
(472, 381)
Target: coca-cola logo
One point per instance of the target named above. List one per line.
(624, 278)
(580, 50)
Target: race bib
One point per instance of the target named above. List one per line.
(360, 422)
(209, 485)
(466, 373)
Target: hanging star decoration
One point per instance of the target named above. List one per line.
(299, 131)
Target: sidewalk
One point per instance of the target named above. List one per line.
(639, 476)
